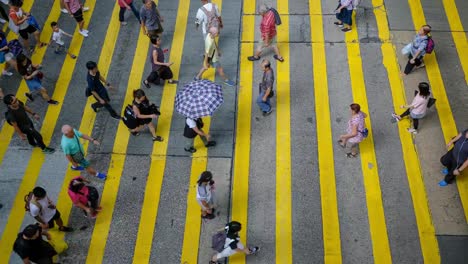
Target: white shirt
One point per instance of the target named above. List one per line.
(57, 37)
(204, 193)
(191, 123)
(46, 214)
(202, 18)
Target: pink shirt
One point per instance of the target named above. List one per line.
(81, 196)
(419, 105)
(74, 5)
(122, 1)
(359, 121)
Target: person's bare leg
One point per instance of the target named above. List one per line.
(59, 222)
(81, 25)
(26, 44)
(200, 74)
(221, 73)
(276, 50)
(44, 94)
(151, 129)
(91, 171)
(37, 36)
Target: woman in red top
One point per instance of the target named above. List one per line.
(124, 5)
(84, 196)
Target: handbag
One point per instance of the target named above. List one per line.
(79, 156)
(406, 50)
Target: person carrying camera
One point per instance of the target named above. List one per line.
(145, 112)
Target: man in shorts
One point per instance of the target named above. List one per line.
(75, 9)
(74, 151)
(150, 19)
(21, 24)
(44, 211)
(211, 58)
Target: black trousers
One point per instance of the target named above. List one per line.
(448, 161)
(415, 120)
(109, 108)
(409, 67)
(153, 77)
(34, 137)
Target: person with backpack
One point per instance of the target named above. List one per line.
(159, 68)
(205, 193)
(43, 210)
(211, 57)
(231, 245)
(84, 196)
(355, 131)
(418, 107)
(73, 149)
(6, 56)
(150, 19)
(193, 128)
(97, 89)
(33, 78)
(344, 15)
(208, 16)
(270, 19)
(144, 112)
(422, 44)
(265, 90)
(17, 117)
(20, 24)
(127, 5)
(31, 248)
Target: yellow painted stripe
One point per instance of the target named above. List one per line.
(428, 240)
(375, 209)
(149, 210)
(241, 165)
(37, 158)
(283, 146)
(64, 203)
(191, 241)
(330, 220)
(461, 43)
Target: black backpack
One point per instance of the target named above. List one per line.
(129, 117)
(277, 16)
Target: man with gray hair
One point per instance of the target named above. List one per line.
(74, 152)
(268, 31)
(265, 90)
(211, 57)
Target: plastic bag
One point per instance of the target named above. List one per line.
(58, 242)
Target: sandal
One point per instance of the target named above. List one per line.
(173, 81)
(253, 58)
(351, 155)
(337, 23)
(158, 138)
(278, 58)
(340, 142)
(42, 44)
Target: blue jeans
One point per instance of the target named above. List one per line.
(134, 10)
(264, 106)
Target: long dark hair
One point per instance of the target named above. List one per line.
(206, 176)
(76, 185)
(424, 89)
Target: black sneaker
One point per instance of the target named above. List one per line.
(267, 113)
(53, 102)
(146, 84)
(29, 96)
(135, 133)
(48, 150)
(66, 229)
(210, 144)
(191, 149)
(254, 250)
(208, 216)
(117, 117)
(346, 29)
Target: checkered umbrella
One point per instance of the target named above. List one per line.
(199, 98)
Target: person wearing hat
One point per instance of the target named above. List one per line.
(205, 193)
(233, 244)
(30, 246)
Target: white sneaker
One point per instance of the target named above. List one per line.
(7, 73)
(123, 23)
(84, 34)
(3, 21)
(422, 65)
(85, 31)
(85, 8)
(412, 130)
(64, 10)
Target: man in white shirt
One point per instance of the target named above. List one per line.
(44, 211)
(202, 16)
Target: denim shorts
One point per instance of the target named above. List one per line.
(34, 84)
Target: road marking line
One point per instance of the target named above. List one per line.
(461, 43)
(241, 163)
(149, 210)
(37, 158)
(375, 209)
(64, 203)
(428, 240)
(283, 146)
(199, 163)
(330, 220)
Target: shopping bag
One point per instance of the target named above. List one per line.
(406, 50)
(57, 241)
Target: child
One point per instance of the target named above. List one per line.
(57, 38)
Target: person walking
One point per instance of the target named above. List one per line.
(23, 125)
(64, 10)
(57, 37)
(145, 112)
(232, 244)
(20, 24)
(6, 56)
(44, 210)
(456, 159)
(97, 89)
(207, 16)
(191, 130)
(418, 107)
(30, 246)
(84, 196)
(416, 50)
(344, 15)
(268, 32)
(150, 19)
(205, 193)
(266, 88)
(32, 75)
(159, 68)
(354, 132)
(74, 151)
(211, 57)
(127, 5)
(75, 9)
